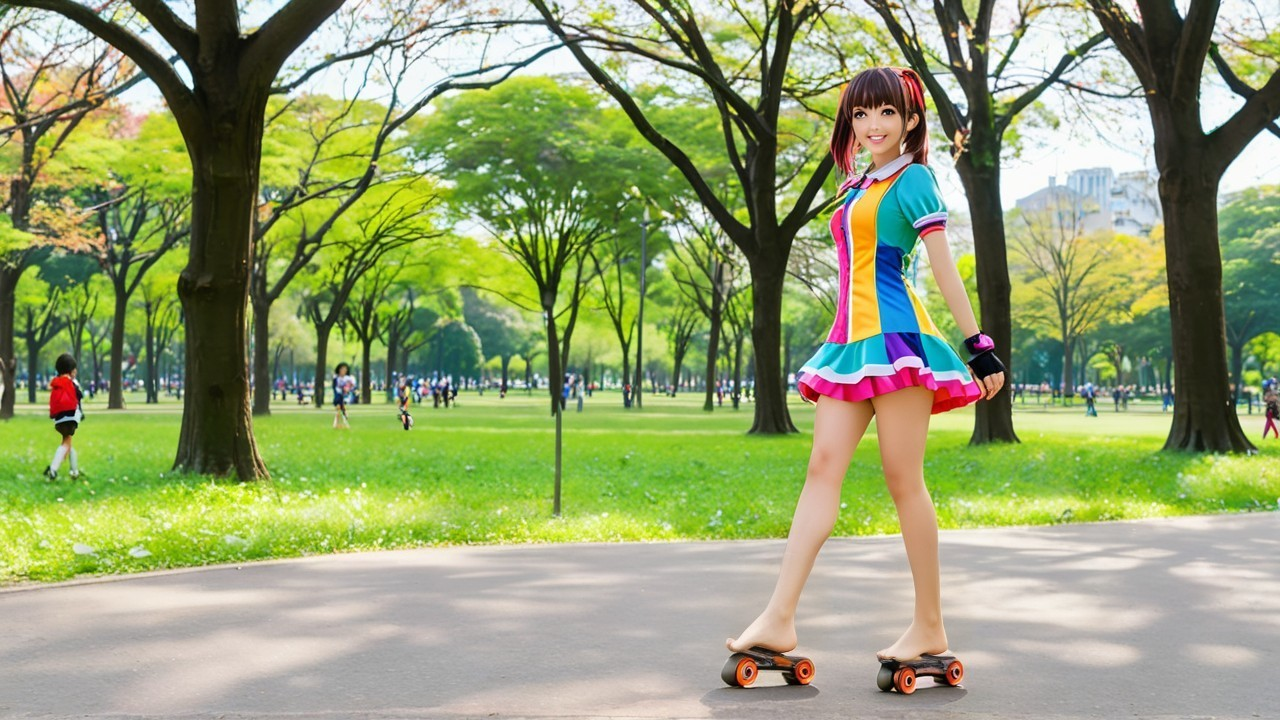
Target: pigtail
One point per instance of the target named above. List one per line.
(917, 141)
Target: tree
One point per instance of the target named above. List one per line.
(679, 327)
(739, 61)
(1167, 52)
(362, 314)
(393, 217)
(738, 315)
(48, 90)
(405, 327)
(136, 228)
(991, 99)
(162, 316)
(705, 269)
(502, 330)
(1250, 278)
(547, 177)
(41, 322)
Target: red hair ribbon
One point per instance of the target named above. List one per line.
(911, 82)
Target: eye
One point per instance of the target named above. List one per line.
(888, 111)
(859, 114)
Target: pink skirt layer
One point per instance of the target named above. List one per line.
(947, 395)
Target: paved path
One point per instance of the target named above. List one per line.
(1171, 618)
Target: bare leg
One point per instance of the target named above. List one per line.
(838, 426)
(902, 425)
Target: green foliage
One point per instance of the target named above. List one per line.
(1249, 233)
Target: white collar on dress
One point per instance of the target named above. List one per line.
(881, 173)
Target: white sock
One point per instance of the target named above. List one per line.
(58, 454)
(75, 462)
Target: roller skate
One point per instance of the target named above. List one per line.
(901, 675)
(743, 668)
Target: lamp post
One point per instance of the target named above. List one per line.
(644, 265)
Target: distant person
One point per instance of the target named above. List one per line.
(342, 382)
(404, 395)
(1090, 395)
(67, 414)
(1273, 414)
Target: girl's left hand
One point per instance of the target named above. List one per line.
(991, 385)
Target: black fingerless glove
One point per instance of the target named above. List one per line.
(982, 356)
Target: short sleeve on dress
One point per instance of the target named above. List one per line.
(920, 199)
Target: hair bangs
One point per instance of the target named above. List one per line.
(876, 87)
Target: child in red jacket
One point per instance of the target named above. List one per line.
(65, 411)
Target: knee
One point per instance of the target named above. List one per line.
(823, 464)
(904, 483)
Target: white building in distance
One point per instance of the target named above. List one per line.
(1126, 203)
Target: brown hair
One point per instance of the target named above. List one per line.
(871, 88)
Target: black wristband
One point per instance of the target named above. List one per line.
(985, 364)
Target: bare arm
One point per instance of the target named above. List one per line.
(953, 291)
(949, 282)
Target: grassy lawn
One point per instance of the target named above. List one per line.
(483, 473)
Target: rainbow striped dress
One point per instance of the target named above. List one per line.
(882, 339)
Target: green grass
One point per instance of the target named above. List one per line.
(483, 473)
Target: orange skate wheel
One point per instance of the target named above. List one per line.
(955, 673)
(739, 671)
(801, 674)
(905, 680)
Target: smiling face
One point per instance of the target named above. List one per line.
(881, 131)
(886, 104)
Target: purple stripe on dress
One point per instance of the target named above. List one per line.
(898, 348)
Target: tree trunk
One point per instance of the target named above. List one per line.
(713, 349)
(675, 371)
(8, 358)
(1203, 415)
(1068, 349)
(33, 362)
(738, 339)
(366, 372)
(993, 418)
(1237, 371)
(626, 367)
(150, 342)
(767, 275)
(115, 394)
(262, 387)
(506, 363)
(393, 342)
(322, 360)
(217, 427)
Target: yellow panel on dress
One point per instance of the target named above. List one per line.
(864, 301)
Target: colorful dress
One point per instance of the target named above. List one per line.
(882, 339)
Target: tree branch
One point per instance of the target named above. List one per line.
(175, 91)
(279, 37)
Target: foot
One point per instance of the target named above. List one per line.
(767, 631)
(74, 474)
(916, 641)
(50, 473)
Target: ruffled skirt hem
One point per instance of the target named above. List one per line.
(947, 394)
